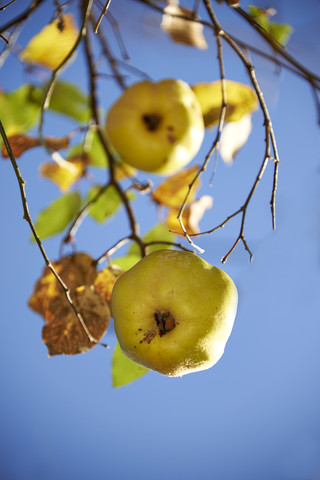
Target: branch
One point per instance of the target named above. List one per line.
(20, 18)
(104, 11)
(87, 5)
(112, 180)
(27, 217)
(215, 145)
(269, 138)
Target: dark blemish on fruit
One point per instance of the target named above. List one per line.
(148, 336)
(171, 138)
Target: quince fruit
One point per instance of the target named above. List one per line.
(173, 312)
(156, 127)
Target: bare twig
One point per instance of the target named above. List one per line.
(87, 5)
(7, 5)
(104, 11)
(111, 59)
(270, 138)
(278, 47)
(23, 16)
(112, 175)
(215, 145)
(73, 228)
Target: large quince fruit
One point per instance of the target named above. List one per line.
(156, 126)
(173, 312)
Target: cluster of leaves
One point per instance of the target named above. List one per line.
(74, 301)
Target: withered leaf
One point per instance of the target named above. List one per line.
(75, 270)
(173, 190)
(182, 30)
(234, 136)
(64, 334)
(20, 143)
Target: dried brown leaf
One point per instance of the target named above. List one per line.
(182, 30)
(233, 138)
(20, 143)
(75, 271)
(63, 332)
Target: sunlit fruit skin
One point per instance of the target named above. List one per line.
(156, 126)
(173, 312)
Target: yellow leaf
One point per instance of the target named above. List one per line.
(172, 191)
(123, 170)
(191, 216)
(241, 99)
(105, 281)
(65, 173)
(52, 44)
(182, 30)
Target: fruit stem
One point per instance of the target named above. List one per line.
(152, 121)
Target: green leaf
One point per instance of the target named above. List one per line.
(158, 233)
(69, 100)
(259, 16)
(124, 370)
(57, 216)
(106, 204)
(93, 149)
(126, 262)
(281, 32)
(18, 109)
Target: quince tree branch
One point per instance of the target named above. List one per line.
(27, 217)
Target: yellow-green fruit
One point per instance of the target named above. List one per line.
(156, 126)
(173, 312)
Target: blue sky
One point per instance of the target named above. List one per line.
(255, 415)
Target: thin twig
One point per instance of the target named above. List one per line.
(7, 5)
(104, 11)
(270, 139)
(215, 143)
(134, 227)
(75, 225)
(20, 18)
(87, 5)
(111, 59)
(278, 47)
